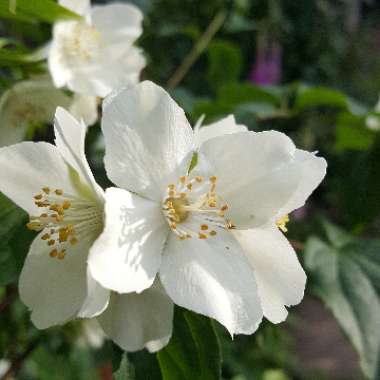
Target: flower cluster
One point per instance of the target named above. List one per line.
(196, 218)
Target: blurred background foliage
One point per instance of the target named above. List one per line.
(309, 68)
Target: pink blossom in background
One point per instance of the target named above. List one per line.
(267, 68)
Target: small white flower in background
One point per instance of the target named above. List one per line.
(33, 102)
(211, 234)
(373, 122)
(4, 366)
(95, 55)
(55, 186)
(91, 334)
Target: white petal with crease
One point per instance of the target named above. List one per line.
(147, 136)
(279, 275)
(212, 277)
(127, 255)
(135, 321)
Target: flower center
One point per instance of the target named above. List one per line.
(65, 219)
(193, 208)
(82, 43)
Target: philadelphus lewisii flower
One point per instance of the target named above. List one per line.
(33, 102)
(94, 55)
(212, 232)
(54, 185)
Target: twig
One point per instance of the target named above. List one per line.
(197, 50)
(19, 361)
(8, 299)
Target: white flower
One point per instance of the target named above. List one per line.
(373, 122)
(33, 102)
(211, 234)
(54, 185)
(94, 55)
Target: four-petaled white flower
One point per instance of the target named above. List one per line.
(95, 55)
(55, 186)
(33, 102)
(211, 233)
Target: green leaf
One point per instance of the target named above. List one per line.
(352, 133)
(10, 58)
(11, 217)
(238, 93)
(345, 274)
(15, 239)
(145, 365)
(193, 352)
(34, 10)
(125, 371)
(225, 63)
(320, 97)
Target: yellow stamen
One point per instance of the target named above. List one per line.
(202, 236)
(281, 223)
(204, 227)
(54, 253)
(66, 204)
(62, 254)
(59, 191)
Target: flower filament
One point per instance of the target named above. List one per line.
(194, 209)
(64, 219)
(82, 43)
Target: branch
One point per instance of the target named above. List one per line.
(8, 299)
(197, 50)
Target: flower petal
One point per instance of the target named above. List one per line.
(257, 174)
(53, 289)
(134, 321)
(28, 167)
(147, 136)
(114, 69)
(212, 277)
(312, 172)
(222, 127)
(117, 23)
(81, 7)
(69, 139)
(279, 275)
(84, 107)
(127, 255)
(97, 298)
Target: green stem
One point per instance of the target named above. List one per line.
(197, 50)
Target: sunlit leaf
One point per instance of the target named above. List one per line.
(345, 274)
(34, 10)
(193, 352)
